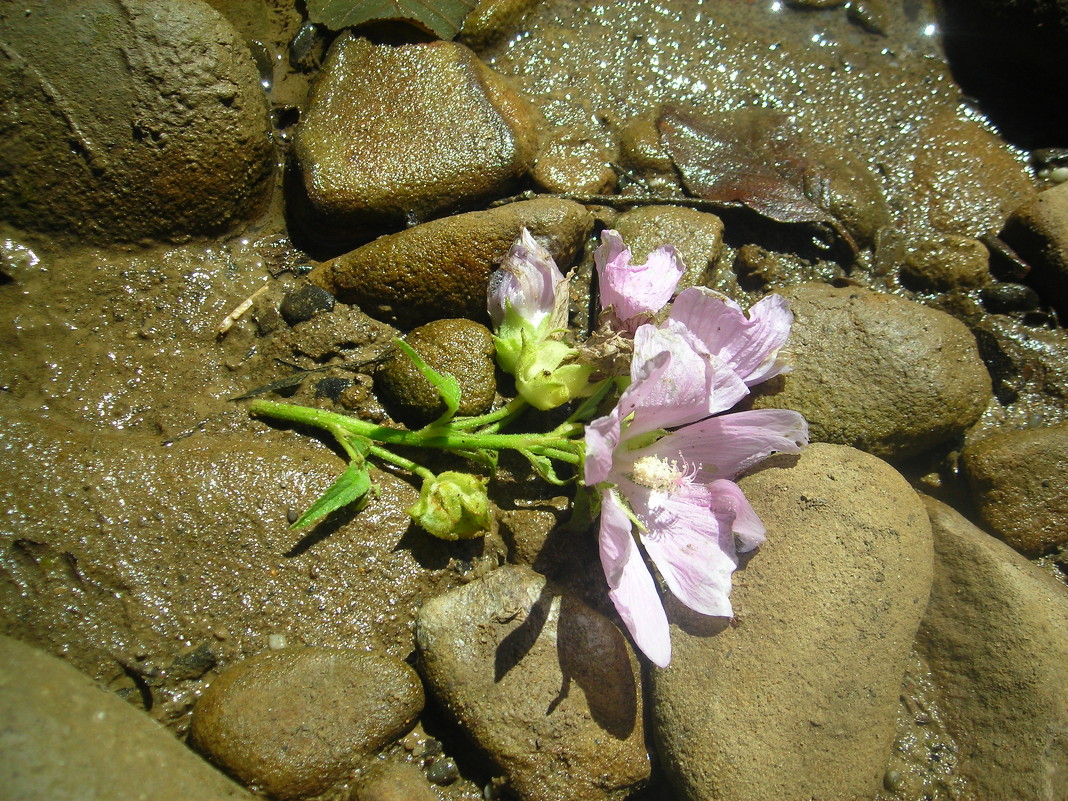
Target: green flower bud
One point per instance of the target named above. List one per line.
(547, 377)
(454, 506)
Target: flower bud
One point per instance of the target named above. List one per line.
(546, 375)
(454, 506)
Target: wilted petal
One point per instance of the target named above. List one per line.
(528, 280)
(635, 291)
(630, 584)
(691, 544)
(724, 446)
(749, 345)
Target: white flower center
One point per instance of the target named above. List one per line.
(659, 474)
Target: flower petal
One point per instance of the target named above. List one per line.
(602, 437)
(630, 584)
(530, 282)
(672, 383)
(690, 543)
(729, 444)
(730, 504)
(750, 346)
(635, 292)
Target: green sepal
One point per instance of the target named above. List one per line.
(446, 385)
(352, 485)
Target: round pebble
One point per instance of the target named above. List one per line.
(294, 723)
(302, 304)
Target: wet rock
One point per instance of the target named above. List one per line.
(1038, 231)
(1002, 298)
(1019, 481)
(886, 375)
(996, 637)
(799, 698)
(129, 120)
(394, 781)
(441, 268)
(696, 235)
(965, 180)
(64, 737)
(302, 304)
(396, 134)
(462, 348)
(946, 262)
(1028, 364)
(567, 163)
(546, 686)
(490, 21)
(295, 722)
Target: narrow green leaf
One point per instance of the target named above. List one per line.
(446, 385)
(543, 465)
(351, 485)
(442, 18)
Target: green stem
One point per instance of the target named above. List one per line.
(400, 461)
(433, 437)
(510, 409)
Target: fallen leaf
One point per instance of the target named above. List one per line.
(749, 158)
(442, 18)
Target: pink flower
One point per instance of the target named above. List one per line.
(528, 282)
(675, 486)
(634, 292)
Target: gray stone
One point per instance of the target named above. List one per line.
(1019, 482)
(461, 348)
(797, 699)
(696, 235)
(396, 134)
(297, 722)
(441, 268)
(129, 120)
(883, 374)
(996, 637)
(65, 739)
(546, 686)
(394, 781)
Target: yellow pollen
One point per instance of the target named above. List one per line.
(658, 474)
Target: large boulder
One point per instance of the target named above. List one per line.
(129, 120)
(65, 739)
(883, 374)
(399, 134)
(797, 697)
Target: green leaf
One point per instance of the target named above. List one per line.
(442, 18)
(446, 385)
(543, 465)
(352, 485)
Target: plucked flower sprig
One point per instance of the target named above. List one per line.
(649, 436)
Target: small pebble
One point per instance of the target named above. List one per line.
(276, 642)
(443, 771)
(332, 387)
(302, 304)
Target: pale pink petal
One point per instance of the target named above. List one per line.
(690, 543)
(730, 504)
(630, 584)
(750, 346)
(529, 281)
(673, 384)
(635, 291)
(602, 437)
(729, 444)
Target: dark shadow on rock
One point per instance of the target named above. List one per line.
(433, 553)
(517, 643)
(693, 623)
(606, 676)
(327, 527)
(777, 461)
